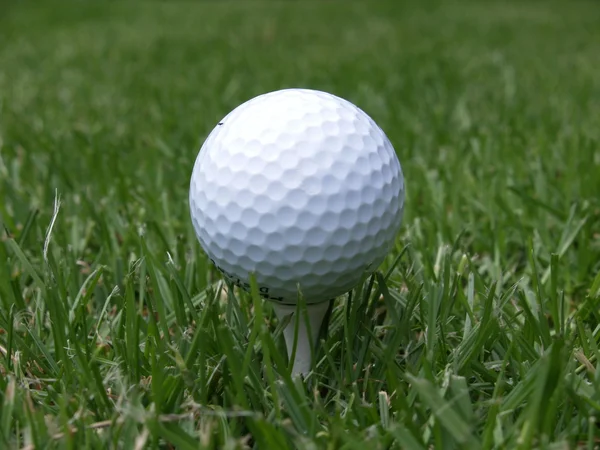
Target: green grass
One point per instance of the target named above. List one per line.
(115, 332)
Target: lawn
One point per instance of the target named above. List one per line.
(116, 332)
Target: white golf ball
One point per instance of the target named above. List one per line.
(300, 188)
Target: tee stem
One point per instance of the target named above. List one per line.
(307, 338)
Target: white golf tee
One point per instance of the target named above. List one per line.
(316, 313)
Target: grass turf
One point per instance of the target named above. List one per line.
(114, 329)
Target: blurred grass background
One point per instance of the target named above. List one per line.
(112, 101)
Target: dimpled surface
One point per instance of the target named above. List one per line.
(301, 188)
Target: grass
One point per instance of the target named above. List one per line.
(116, 332)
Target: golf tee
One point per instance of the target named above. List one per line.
(315, 313)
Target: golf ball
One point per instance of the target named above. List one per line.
(300, 188)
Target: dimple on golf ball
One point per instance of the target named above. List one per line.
(300, 188)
